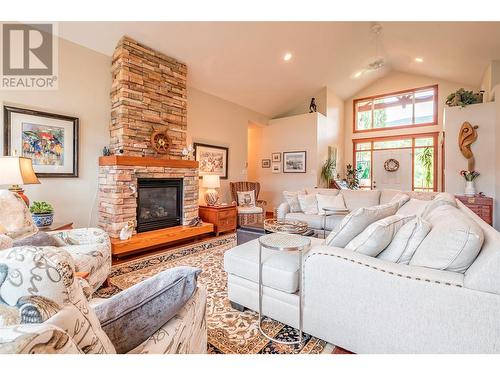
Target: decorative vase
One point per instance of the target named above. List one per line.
(211, 197)
(43, 220)
(470, 188)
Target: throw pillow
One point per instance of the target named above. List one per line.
(357, 221)
(413, 207)
(246, 198)
(441, 199)
(330, 201)
(292, 198)
(406, 241)
(133, 315)
(378, 235)
(400, 198)
(38, 239)
(453, 243)
(308, 204)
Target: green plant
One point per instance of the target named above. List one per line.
(352, 177)
(328, 171)
(461, 98)
(40, 208)
(426, 158)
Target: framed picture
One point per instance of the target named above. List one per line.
(294, 162)
(266, 163)
(49, 139)
(213, 159)
(276, 156)
(276, 168)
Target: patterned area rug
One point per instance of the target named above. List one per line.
(229, 331)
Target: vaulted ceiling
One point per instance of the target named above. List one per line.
(243, 61)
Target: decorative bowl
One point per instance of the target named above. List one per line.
(43, 220)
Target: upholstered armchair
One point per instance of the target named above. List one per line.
(248, 213)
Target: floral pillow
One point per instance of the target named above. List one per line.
(246, 198)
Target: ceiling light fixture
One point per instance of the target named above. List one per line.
(419, 59)
(287, 57)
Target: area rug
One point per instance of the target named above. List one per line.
(229, 331)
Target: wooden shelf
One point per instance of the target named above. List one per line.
(158, 237)
(146, 162)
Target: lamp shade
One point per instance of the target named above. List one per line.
(17, 170)
(211, 181)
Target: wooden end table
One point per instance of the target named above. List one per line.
(57, 226)
(224, 218)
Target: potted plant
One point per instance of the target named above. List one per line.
(328, 171)
(352, 177)
(470, 176)
(42, 213)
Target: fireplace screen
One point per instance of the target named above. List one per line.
(159, 203)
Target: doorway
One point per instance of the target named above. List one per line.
(405, 163)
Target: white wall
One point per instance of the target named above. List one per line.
(484, 116)
(84, 87)
(333, 134)
(295, 133)
(396, 81)
(215, 121)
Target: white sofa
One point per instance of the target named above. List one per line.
(368, 305)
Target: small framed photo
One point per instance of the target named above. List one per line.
(276, 157)
(212, 159)
(276, 168)
(266, 163)
(50, 140)
(294, 162)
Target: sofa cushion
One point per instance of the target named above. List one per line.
(333, 221)
(357, 221)
(387, 194)
(453, 242)
(413, 207)
(313, 221)
(280, 269)
(406, 241)
(333, 201)
(292, 199)
(400, 198)
(355, 199)
(378, 235)
(249, 210)
(308, 204)
(441, 199)
(133, 315)
(322, 191)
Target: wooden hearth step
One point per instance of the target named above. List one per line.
(154, 238)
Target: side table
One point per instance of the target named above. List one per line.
(224, 218)
(57, 226)
(284, 242)
(329, 211)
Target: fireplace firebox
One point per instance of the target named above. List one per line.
(159, 203)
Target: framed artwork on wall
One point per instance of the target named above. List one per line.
(294, 162)
(276, 156)
(266, 163)
(276, 168)
(49, 139)
(213, 159)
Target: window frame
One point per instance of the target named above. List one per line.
(379, 96)
(371, 140)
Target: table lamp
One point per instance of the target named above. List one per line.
(15, 171)
(211, 182)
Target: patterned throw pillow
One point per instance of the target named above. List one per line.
(41, 282)
(246, 198)
(292, 198)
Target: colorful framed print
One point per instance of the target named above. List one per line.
(266, 163)
(49, 139)
(276, 157)
(276, 168)
(213, 160)
(294, 162)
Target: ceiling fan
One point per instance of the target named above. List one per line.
(378, 61)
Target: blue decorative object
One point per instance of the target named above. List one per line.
(43, 220)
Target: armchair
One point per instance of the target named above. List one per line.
(248, 215)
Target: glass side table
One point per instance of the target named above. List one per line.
(331, 211)
(284, 242)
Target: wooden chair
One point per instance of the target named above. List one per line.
(255, 216)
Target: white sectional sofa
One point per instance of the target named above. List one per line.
(369, 305)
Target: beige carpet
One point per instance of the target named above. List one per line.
(229, 331)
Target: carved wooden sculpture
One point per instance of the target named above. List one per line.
(466, 137)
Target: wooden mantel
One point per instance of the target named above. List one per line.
(146, 162)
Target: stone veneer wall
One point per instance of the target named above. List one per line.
(148, 94)
(118, 204)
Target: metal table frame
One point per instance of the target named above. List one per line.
(301, 250)
(329, 211)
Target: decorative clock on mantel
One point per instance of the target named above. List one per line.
(160, 141)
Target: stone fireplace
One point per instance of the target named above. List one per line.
(153, 190)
